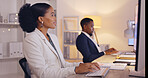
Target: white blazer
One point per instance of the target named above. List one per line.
(42, 58)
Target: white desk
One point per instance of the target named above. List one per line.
(111, 73)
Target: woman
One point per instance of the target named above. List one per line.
(41, 49)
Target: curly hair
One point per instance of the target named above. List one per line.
(28, 15)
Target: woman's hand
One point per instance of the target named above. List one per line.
(87, 67)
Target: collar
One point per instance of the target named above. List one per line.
(46, 41)
(86, 34)
(39, 33)
(48, 44)
(99, 49)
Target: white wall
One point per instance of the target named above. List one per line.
(114, 13)
(51, 2)
(12, 8)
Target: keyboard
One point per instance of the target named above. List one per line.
(102, 72)
(118, 53)
(114, 66)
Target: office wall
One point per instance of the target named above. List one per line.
(114, 13)
(12, 8)
(52, 2)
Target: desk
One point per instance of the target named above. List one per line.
(111, 73)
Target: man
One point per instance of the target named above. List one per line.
(86, 45)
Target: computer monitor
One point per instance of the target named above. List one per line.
(131, 42)
(139, 45)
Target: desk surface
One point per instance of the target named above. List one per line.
(106, 59)
(111, 73)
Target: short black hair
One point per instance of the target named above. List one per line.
(28, 15)
(85, 21)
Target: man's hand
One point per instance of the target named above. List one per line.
(111, 51)
(87, 67)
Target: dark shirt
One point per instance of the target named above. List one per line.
(87, 48)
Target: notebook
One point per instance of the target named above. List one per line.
(100, 73)
(128, 62)
(128, 57)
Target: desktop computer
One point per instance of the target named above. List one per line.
(139, 40)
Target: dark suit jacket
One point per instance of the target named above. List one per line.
(87, 48)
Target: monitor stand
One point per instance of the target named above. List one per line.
(140, 73)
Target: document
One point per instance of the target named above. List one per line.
(122, 60)
(129, 57)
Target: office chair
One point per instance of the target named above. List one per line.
(24, 65)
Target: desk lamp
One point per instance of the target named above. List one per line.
(129, 32)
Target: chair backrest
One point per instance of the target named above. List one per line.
(23, 63)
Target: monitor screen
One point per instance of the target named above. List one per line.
(131, 42)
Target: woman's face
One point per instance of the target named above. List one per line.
(49, 19)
